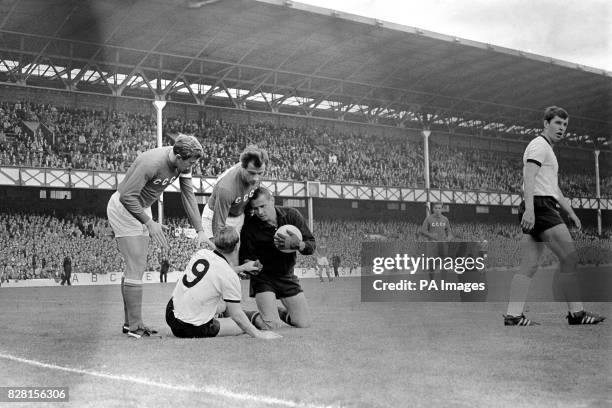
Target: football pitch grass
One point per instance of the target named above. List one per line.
(355, 354)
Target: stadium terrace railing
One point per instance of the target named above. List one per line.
(106, 180)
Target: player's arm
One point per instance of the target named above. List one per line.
(449, 231)
(247, 254)
(128, 196)
(533, 158)
(131, 188)
(247, 244)
(248, 267)
(232, 294)
(190, 204)
(424, 231)
(234, 309)
(530, 170)
(223, 202)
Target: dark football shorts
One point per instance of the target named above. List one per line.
(282, 286)
(547, 215)
(436, 249)
(188, 330)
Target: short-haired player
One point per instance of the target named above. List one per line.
(129, 214)
(437, 231)
(232, 192)
(276, 280)
(541, 222)
(208, 287)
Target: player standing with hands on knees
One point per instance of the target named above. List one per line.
(129, 214)
(276, 280)
(542, 223)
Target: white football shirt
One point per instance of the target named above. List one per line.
(540, 152)
(208, 280)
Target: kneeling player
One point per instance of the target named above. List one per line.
(276, 279)
(209, 286)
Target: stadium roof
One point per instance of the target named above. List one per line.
(289, 57)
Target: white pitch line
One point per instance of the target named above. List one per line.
(216, 391)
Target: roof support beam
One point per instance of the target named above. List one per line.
(266, 77)
(8, 15)
(194, 59)
(345, 91)
(230, 69)
(51, 40)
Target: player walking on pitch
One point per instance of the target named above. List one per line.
(542, 223)
(208, 287)
(129, 215)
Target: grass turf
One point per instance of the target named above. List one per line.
(355, 355)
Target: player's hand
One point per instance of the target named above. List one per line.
(202, 240)
(156, 231)
(251, 267)
(289, 241)
(267, 335)
(528, 220)
(576, 221)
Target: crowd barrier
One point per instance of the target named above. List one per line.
(114, 278)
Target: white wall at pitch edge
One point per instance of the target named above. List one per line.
(114, 278)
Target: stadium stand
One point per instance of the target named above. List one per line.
(33, 245)
(60, 137)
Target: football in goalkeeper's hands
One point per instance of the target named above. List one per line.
(284, 230)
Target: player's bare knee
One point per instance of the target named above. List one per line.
(135, 270)
(301, 320)
(302, 323)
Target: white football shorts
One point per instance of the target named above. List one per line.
(322, 261)
(207, 217)
(123, 223)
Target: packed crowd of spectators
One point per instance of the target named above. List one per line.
(344, 238)
(35, 245)
(109, 140)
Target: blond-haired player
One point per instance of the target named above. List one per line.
(208, 287)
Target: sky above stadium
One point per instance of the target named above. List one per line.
(578, 31)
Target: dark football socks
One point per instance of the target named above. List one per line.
(126, 321)
(132, 296)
